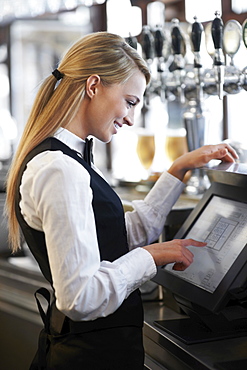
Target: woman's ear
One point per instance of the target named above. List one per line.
(92, 83)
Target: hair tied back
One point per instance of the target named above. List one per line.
(57, 74)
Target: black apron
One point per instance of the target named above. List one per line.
(113, 342)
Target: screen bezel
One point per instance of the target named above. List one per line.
(186, 290)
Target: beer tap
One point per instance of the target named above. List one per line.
(244, 34)
(132, 41)
(232, 37)
(147, 43)
(177, 66)
(177, 44)
(159, 39)
(158, 47)
(196, 34)
(217, 35)
(194, 118)
(244, 31)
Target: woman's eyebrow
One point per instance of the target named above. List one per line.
(136, 97)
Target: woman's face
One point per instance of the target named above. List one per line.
(109, 108)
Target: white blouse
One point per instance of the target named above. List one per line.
(56, 198)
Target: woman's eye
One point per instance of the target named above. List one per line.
(131, 103)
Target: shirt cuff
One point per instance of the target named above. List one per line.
(137, 266)
(156, 196)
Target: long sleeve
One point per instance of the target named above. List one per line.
(57, 199)
(144, 224)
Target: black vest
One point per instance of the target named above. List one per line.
(111, 234)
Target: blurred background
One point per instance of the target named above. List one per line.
(196, 51)
(196, 80)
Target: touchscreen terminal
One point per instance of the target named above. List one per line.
(223, 226)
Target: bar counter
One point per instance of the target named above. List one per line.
(171, 353)
(21, 324)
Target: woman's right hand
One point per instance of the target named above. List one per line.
(200, 157)
(174, 251)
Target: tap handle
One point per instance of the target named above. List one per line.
(232, 37)
(177, 38)
(244, 28)
(132, 41)
(158, 42)
(217, 31)
(147, 43)
(196, 35)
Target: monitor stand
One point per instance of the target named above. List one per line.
(190, 331)
(201, 325)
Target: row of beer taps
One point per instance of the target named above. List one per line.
(192, 81)
(173, 77)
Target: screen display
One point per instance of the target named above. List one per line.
(223, 226)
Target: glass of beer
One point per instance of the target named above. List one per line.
(176, 143)
(146, 148)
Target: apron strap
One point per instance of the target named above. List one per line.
(45, 316)
(39, 362)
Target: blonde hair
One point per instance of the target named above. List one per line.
(101, 53)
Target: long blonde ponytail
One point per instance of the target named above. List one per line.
(56, 103)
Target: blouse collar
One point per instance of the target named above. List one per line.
(71, 140)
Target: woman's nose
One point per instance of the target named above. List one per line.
(129, 120)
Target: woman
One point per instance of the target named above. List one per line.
(94, 256)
